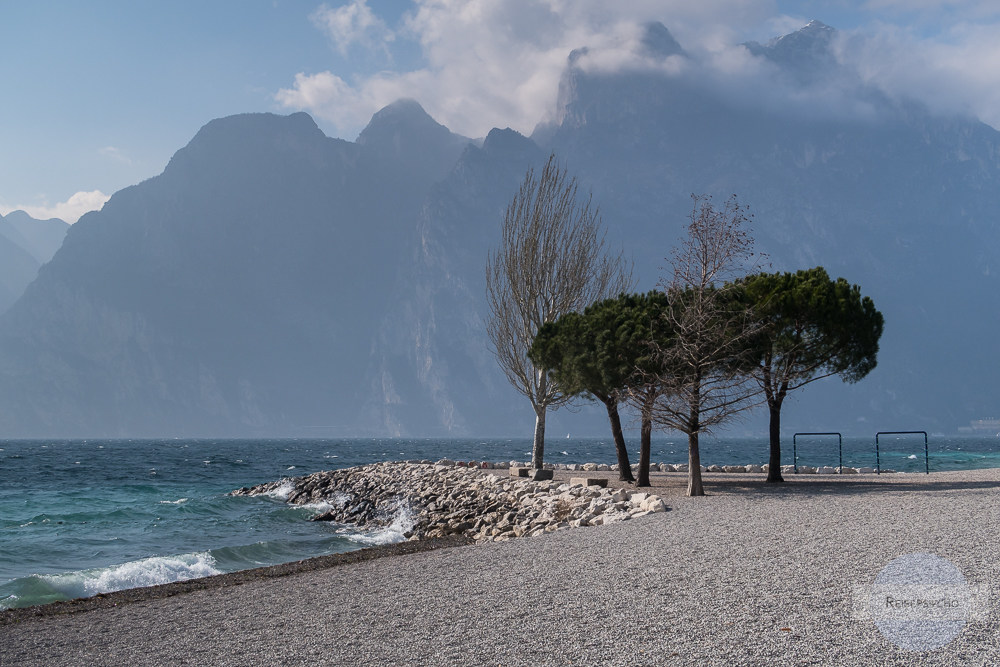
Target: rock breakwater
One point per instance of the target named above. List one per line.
(431, 500)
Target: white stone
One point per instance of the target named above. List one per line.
(866, 471)
(826, 470)
(754, 468)
(734, 468)
(653, 504)
(847, 470)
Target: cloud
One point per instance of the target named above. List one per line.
(955, 71)
(353, 23)
(115, 154)
(495, 63)
(69, 210)
(490, 63)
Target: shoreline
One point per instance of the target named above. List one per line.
(736, 577)
(226, 579)
(668, 486)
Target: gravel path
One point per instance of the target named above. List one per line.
(751, 574)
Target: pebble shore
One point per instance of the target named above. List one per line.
(751, 574)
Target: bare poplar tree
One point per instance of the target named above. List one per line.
(551, 260)
(704, 369)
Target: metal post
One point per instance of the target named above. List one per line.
(840, 447)
(927, 458)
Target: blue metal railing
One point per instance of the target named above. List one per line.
(840, 447)
(878, 459)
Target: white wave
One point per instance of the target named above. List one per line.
(912, 456)
(174, 502)
(336, 501)
(396, 531)
(283, 491)
(134, 574)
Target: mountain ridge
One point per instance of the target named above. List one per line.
(276, 281)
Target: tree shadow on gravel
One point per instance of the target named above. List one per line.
(843, 487)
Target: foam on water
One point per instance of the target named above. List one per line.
(336, 501)
(283, 491)
(85, 583)
(396, 531)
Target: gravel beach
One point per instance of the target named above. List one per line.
(750, 574)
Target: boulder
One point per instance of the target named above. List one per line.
(653, 504)
(589, 481)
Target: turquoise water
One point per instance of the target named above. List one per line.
(83, 517)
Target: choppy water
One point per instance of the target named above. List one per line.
(83, 517)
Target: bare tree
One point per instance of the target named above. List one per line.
(704, 369)
(551, 260)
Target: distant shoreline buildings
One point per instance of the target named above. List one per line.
(991, 424)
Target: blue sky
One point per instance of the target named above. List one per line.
(98, 95)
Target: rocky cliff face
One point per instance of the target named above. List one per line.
(25, 244)
(234, 293)
(275, 281)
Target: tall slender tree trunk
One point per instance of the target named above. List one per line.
(695, 487)
(774, 429)
(624, 467)
(645, 439)
(538, 449)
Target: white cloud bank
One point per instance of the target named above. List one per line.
(70, 210)
(496, 63)
(353, 23)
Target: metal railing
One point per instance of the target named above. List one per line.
(878, 458)
(840, 447)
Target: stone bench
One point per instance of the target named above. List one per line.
(589, 481)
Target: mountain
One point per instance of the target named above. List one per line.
(234, 293)
(274, 281)
(25, 244)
